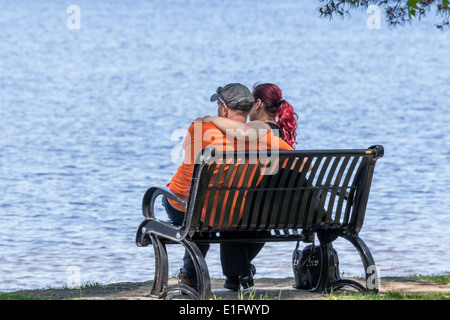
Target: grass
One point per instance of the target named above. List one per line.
(441, 279)
(15, 296)
(252, 294)
(87, 284)
(390, 295)
(18, 296)
(399, 295)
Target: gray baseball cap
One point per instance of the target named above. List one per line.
(235, 96)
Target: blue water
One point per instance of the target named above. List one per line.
(87, 117)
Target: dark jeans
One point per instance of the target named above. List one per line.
(176, 217)
(236, 258)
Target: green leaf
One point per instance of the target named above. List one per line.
(413, 4)
(446, 3)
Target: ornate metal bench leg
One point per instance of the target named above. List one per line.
(372, 278)
(160, 287)
(161, 268)
(204, 282)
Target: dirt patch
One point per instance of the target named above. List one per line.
(265, 288)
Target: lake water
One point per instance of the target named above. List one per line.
(87, 116)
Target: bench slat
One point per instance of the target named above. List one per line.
(278, 197)
(231, 204)
(220, 215)
(300, 181)
(321, 214)
(205, 193)
(268, 211)
(335, 191)
(212, 195)
(342, 193)
(250, 196)
(358, 180)
(349, 208)
(288, 195)
(262, 182)
(306, 199)
(240, 197)
(312, 213)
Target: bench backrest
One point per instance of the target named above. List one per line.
(257, 191)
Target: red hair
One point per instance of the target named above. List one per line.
(270, 95)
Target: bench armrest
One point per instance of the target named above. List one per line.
(150, 196)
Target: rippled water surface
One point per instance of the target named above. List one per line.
(87, 117)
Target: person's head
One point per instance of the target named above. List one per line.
(270, 105)
(233, 100)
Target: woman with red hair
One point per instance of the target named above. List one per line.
(271, 108)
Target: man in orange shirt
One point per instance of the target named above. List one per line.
(234, 102)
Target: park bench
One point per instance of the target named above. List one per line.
(241, 196)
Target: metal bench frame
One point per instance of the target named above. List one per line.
(328, 201)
